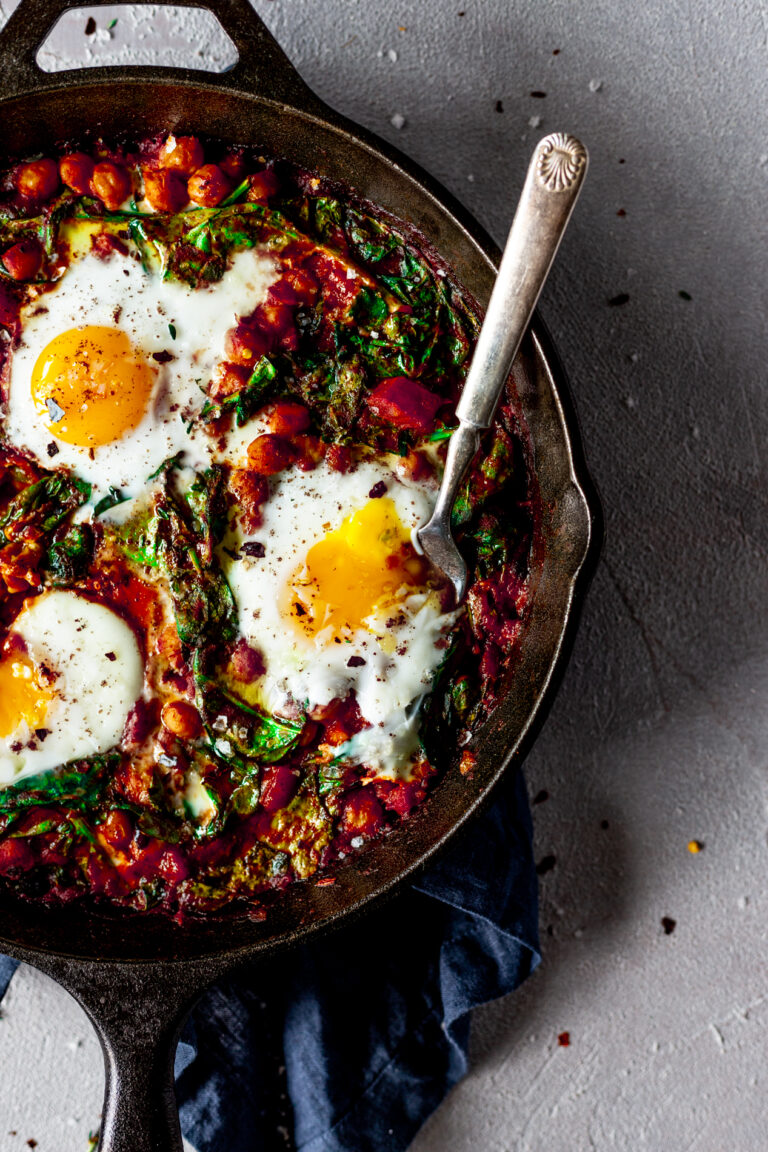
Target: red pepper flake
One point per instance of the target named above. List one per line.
(325, 881)
(355, 662)
(467, 762)
(377, 491)
(546, 864)
(52, 449)
(617, 301)
(42, 733)
(253, 548)
(541, 796)
(110, 656)
(538, 95)
(564, 1039)
(668, 924)
(163, 357)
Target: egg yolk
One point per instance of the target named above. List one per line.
(23, 696)
(91, 386)
(355, 571)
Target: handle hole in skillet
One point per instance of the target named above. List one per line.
(160, 35)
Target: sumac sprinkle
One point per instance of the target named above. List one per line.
(253, 548)
(378, 490)
(163, 357)
(110, 656)
(53, 448)
(355, 662)
(41, 733)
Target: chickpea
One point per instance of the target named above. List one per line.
(76, 171)
(38, 180)
(311, 451)
(263, 186)
(362, 814)
(269, 454)
(24, 260)
(285, 418)
(233, 165)
(339, 457)
(414, 465)
(169, 646)
(227, 379)
(208, 186)
(165, 189)
(304, 285)
(250, 492)
(112, 184)
(117, 829)
(245, 345)
(182, 153)
(182, 719)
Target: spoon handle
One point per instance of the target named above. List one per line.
(551, 188)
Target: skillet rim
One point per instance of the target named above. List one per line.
(454, 215)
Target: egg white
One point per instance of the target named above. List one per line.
(400, 659)
(118, 292)
(99, 674)
(71, 635)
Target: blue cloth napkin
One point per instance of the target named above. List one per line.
(348, 1044)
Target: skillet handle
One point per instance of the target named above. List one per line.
(262, 67)
(138, 1011)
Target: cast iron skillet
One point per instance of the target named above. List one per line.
(137, 976)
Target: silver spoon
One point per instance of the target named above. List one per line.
(552, 185)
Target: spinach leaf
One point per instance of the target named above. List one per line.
(78, 784)
(42, 505)
(238, 732)
(113, 498)
(250, 398)
(177, 536)
(347, 387)
(69, 558)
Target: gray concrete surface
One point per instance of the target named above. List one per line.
(660, 733)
